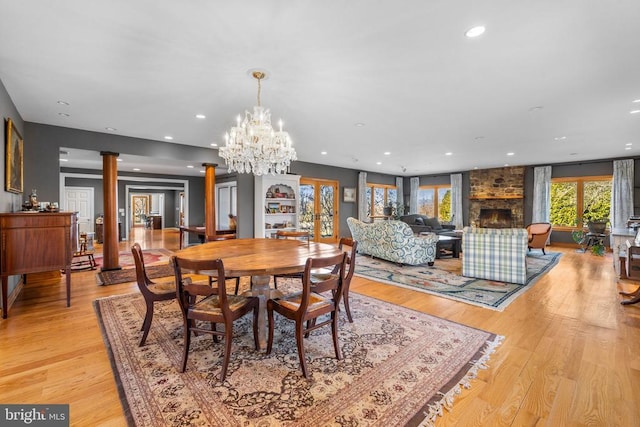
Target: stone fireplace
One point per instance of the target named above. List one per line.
(496, 192)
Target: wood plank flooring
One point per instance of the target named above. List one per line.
(570, 357)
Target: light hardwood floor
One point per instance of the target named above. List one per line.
(570, 356)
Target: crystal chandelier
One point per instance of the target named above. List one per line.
(253, 146)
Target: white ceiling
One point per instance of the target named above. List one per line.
(550, 80)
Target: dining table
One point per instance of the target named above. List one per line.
(260, 258)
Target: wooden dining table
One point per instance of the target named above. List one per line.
(260, 259)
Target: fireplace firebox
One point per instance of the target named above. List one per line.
(495, 218)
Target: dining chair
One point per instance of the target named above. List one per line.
(162, 290)
(292, 235)
(304, 307)
(215, 306)
(349, 247)
(218, 238)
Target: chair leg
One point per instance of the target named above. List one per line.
(270, 316)
(334, 332)
(543, 252)
(275, 282)
(237, 285)
(256, 337)
(228, 338)
(185, 350)
(146, 325)
(300, 344)
(216, 339)
(347, 309)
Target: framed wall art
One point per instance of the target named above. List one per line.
(349, 194)
(14, 159)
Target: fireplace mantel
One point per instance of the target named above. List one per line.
(496, 197)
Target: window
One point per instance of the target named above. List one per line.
(576, 201)
(435, 199)
(378, 196)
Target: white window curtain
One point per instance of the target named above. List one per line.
(413, 196)
(399, 195)
(363, 215)
(621, 193)
(456, 200)
(541, 194)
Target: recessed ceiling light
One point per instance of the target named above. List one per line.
(119, 159)
(475, 167)
(359, 125)
(478, 138)
(448, 154)
(536, 108)
(629, 143)
(573, 154)
(636, 100)
(634, 111)
(475, 31)
(110, 129)
(506, 164)
(190, 166)
(64, 160)
(213, 144)
(202, 171)
(628, 148)
(200, 116)
(387, 153)
(324, 153)
(168, 137)
(378, 163)
(510, 154)
(560, 138)
(63, 103)
(136, 169)
(63, 114)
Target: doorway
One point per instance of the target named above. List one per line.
(140, 210)
(318, 210)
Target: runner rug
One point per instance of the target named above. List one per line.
(156, 263)
(399, 367)
(445, 279)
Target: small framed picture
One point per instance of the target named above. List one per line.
(349, 194)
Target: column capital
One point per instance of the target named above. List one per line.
(215, 165)
(109, 153)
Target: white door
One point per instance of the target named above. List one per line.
(80, 199)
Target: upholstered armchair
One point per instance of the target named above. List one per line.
(393, 241)
(538, 235)
(495, 254)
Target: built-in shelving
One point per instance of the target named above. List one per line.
(276, 202)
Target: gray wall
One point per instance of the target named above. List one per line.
(10, 202)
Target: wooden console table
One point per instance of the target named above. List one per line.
(34, 242)
(199, 230)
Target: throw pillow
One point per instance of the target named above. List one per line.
(433, 223)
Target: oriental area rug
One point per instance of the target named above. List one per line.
(399, 367)
(445, 279)
(156, 263)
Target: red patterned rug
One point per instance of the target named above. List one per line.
(156, 263)
(399, 367)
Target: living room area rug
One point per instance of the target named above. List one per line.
(445, 279)
(399, 367)
(156, 263)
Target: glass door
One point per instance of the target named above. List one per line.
(318, 211)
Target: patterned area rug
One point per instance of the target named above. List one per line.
(155, 261)
(444, 279)
(399, 367)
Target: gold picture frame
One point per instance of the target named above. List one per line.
(13, 159)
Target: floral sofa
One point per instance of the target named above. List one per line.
(495, 254)
(393, 241)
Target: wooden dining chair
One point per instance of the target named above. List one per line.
(161, 290)
(218, 238)
(215, 306)
(306, 306)
(349, 247)
(292, 235)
